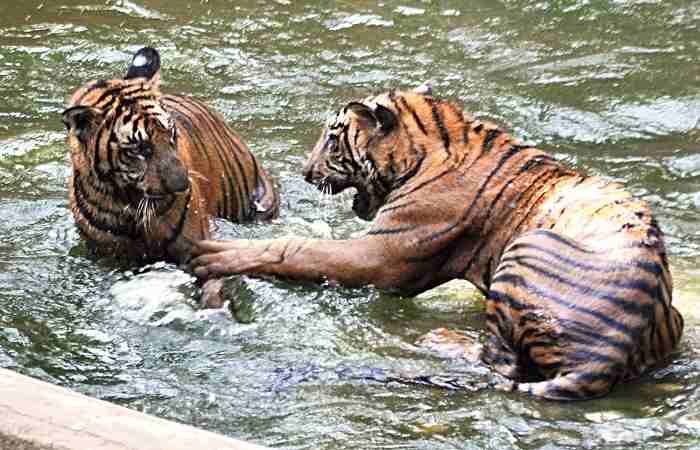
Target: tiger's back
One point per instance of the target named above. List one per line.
(574, 268)
(236, 186)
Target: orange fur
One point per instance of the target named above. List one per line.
(149, 170)
(573, 267)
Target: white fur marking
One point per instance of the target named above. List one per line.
(424, 89)
(139, 61)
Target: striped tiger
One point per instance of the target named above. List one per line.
(150, 169)
(573, 267)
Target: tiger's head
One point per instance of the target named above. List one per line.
(121, 135)
(364, 146)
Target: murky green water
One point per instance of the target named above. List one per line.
(612, 87)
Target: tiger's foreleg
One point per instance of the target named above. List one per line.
(353, 263)
(212, 294)
(192, 225)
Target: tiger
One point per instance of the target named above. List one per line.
(573, 268)
(150, 169)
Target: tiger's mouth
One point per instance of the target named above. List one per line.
(364, 204)
(158, 202)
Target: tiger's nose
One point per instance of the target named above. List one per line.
(174, 175)
(178, 182)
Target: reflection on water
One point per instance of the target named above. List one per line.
(609, 86)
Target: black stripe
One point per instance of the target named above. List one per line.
(649, 354)
(523, 169)
(357, 134)
(385, 209)
(414, 115)
(588, 356)
(499, 297)
(126, 117)
(563, 240)
(502, 322)
(545, 178)
(491, 136)
(593, 377)
(110, 151)
(440, 123)
(485, 238)
(181, 223)
(421, 185)
(538, 181)
(544, 367)
(96, 152)
(630, 307)
(348, 156)
(228, 179)
(414, 170)
(243, 212)
(81, 202)
(517, 280)
(438, 234)
(459, 113)
(200, 111)
(190, 130)
(391, 166)
(346, 139)
(602, 266)
(135, 124)
(385, 185)
(260, 186)
(582, 333)
(223, 199)
(99, 84)
(107, 93)
(668, 313)
(397, 230)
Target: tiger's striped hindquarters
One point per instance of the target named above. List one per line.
(149, 170)
(573, 267)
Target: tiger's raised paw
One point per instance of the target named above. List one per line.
(212, 294)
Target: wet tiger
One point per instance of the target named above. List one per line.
(150, 169)
(573, 267)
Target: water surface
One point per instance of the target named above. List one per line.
(610, 87)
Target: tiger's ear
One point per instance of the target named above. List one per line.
(426, 88)
(81, 120)
(145, 64)
(381, 116)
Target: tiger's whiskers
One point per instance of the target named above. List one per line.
(322, 189)
(145, 212)
(325, 197)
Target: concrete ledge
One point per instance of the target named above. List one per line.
(35, 415)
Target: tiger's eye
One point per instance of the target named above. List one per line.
(146, 149)
(332, 143)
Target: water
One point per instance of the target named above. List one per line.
(611, 87)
